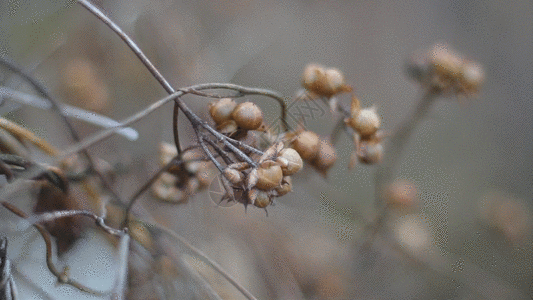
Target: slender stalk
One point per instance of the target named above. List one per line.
(397, 142)
(56, 108)
(204, 257)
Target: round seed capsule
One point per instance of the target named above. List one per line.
(269, 175)
(306, 144)
(371, 152)
(326, 156)
(222, 109)
(367, 122)
(262, 200)
(248, 116)
(290, 161)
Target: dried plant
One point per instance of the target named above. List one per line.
(256, 162)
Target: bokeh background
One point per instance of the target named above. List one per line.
(467, 154)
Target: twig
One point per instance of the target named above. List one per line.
(203, 256)
(61, 276)
(145, 187)
(122, 269)
(56, 108)
(69, 111)
(398, 141)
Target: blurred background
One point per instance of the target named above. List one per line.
(470, 159)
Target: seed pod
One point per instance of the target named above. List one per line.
(306, 144)
(472, 77)
(335, 82)
(168, 194)
(269, 175)
(262, 200)
(252, 195)
(252, 179)
(227, 127)
(367, 122)
(370, 152)
(233, 175)
(222, 109)
(285, 187)
(444, 61)
(248, 116)
(290, 161)
(326, 157)
(402, 195)
(313, 78)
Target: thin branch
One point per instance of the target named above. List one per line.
(61, 276)
(99, 221)
(202, 256)
(175, 130)
(145, 187)
(69, 111)
(397, 143)
(56, 108)
(133, 46)
(122, 269)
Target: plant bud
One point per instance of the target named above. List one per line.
(472, 77)
(222, 109)
(371, 152)
(227, 127)
(285, 187)
(306, 144)
(326, 156)
(402, 195)
(445, 61)
(248, 116)
(335, 82)
(367, 122)
(290, 161)
(233, 175)
(262, 200)
(313, 78)
(269, 175)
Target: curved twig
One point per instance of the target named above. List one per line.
(61, 276)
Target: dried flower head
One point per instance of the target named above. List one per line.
(248, 116)
(324, 82)
(221, 110)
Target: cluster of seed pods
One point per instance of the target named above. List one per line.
(443, 69)
(190, 174)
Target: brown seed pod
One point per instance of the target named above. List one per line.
(262, 200)
(306, 144)
(445, 62)
(313, 78)
(248, 116)
(472, 76)
(252, 179)
(367, 122)
(290, 161)
(227, 127)
(233, 176)
(285, 187)
(269, 175)
(222, 109)
(324, 82)
(370, 152)
(335, 82)
(402, 195)
(325, 158)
